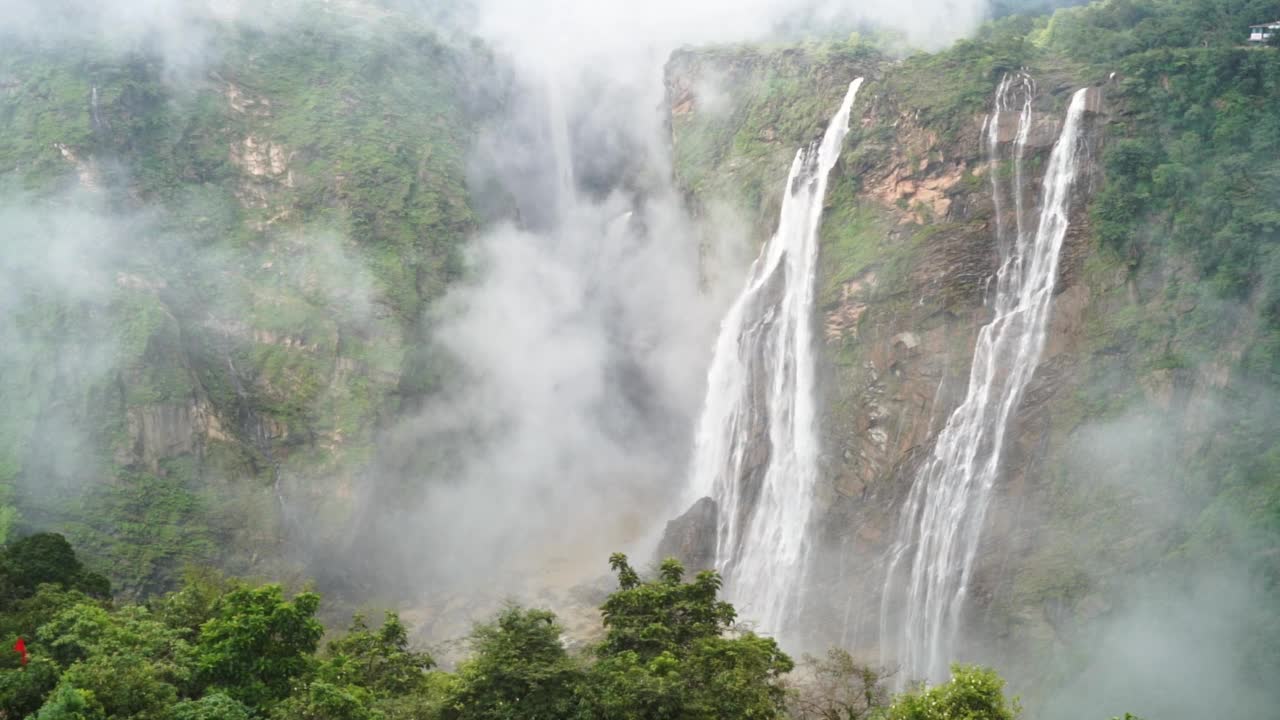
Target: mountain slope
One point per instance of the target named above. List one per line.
(1137, 488)
(216, 280)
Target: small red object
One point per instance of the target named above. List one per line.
(20, 647)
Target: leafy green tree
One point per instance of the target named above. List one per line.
(667, 615)
(379, 660)
(130, 636)
(668, 653)
(364, 671)
(429, 702)
(197, 601)
(23, 691)
(214, 706)
(68, 703)
(25, 617)
(124, 687)
(718, 678)
(130, 664)
(43, 558)
(972, 693)
(519, 671)
(325, 701)
(258, 643)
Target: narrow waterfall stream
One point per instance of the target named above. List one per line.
(757, 445)
(929, 564)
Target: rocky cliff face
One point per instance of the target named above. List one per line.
(234, 272)
(908, 251)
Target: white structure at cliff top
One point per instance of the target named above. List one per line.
(1263, 33)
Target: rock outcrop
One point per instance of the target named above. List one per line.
(691, 538)
(908, 254)
(271, 234)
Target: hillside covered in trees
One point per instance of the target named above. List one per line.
(413, 309)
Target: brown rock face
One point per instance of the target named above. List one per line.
(908, 256)
(1122, 400)
(691, 538)
(161, 431)
(893, 384)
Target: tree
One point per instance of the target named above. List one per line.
(430, 701)
(259, 643)
(325, 701)
(519, 671)
(365, 671)
(87, 631)
(379, 660)
(837, 687)
(68, 703)
(973, 693)
(665, 615)
(25, 617)
(214, 706)
(131, 664)
(668, 653)
(23, 691)
(43, 558)
(122, 686)
(198, 601)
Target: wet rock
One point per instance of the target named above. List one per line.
(161, 431)
(1093, 98)
(907, 340)
(1043, 131)
(691, 538)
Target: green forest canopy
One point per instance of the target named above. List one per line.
(219, 649)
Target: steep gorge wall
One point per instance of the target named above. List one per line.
(908, 248)
(219, 283)
(1097, 486)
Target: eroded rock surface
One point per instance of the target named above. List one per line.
(691, 538)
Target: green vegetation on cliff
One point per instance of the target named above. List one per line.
(737, 129)
(1188, 209)
(215, 280)
(1141, 482)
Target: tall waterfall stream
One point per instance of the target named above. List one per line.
(930, 562)
(757, 443)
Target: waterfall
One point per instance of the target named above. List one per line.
(929, 565)
(1010, 86)
(562, 156)
(756, 448)
(94, 112)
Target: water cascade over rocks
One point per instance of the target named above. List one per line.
(757, 444)
(929, 564)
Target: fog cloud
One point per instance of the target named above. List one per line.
(582, 339)
(1172, 614)
(580, 342)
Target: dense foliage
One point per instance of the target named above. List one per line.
(1198, 166)
(972, 693)
(221, 650)
(376, 141)
(1191, 180)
